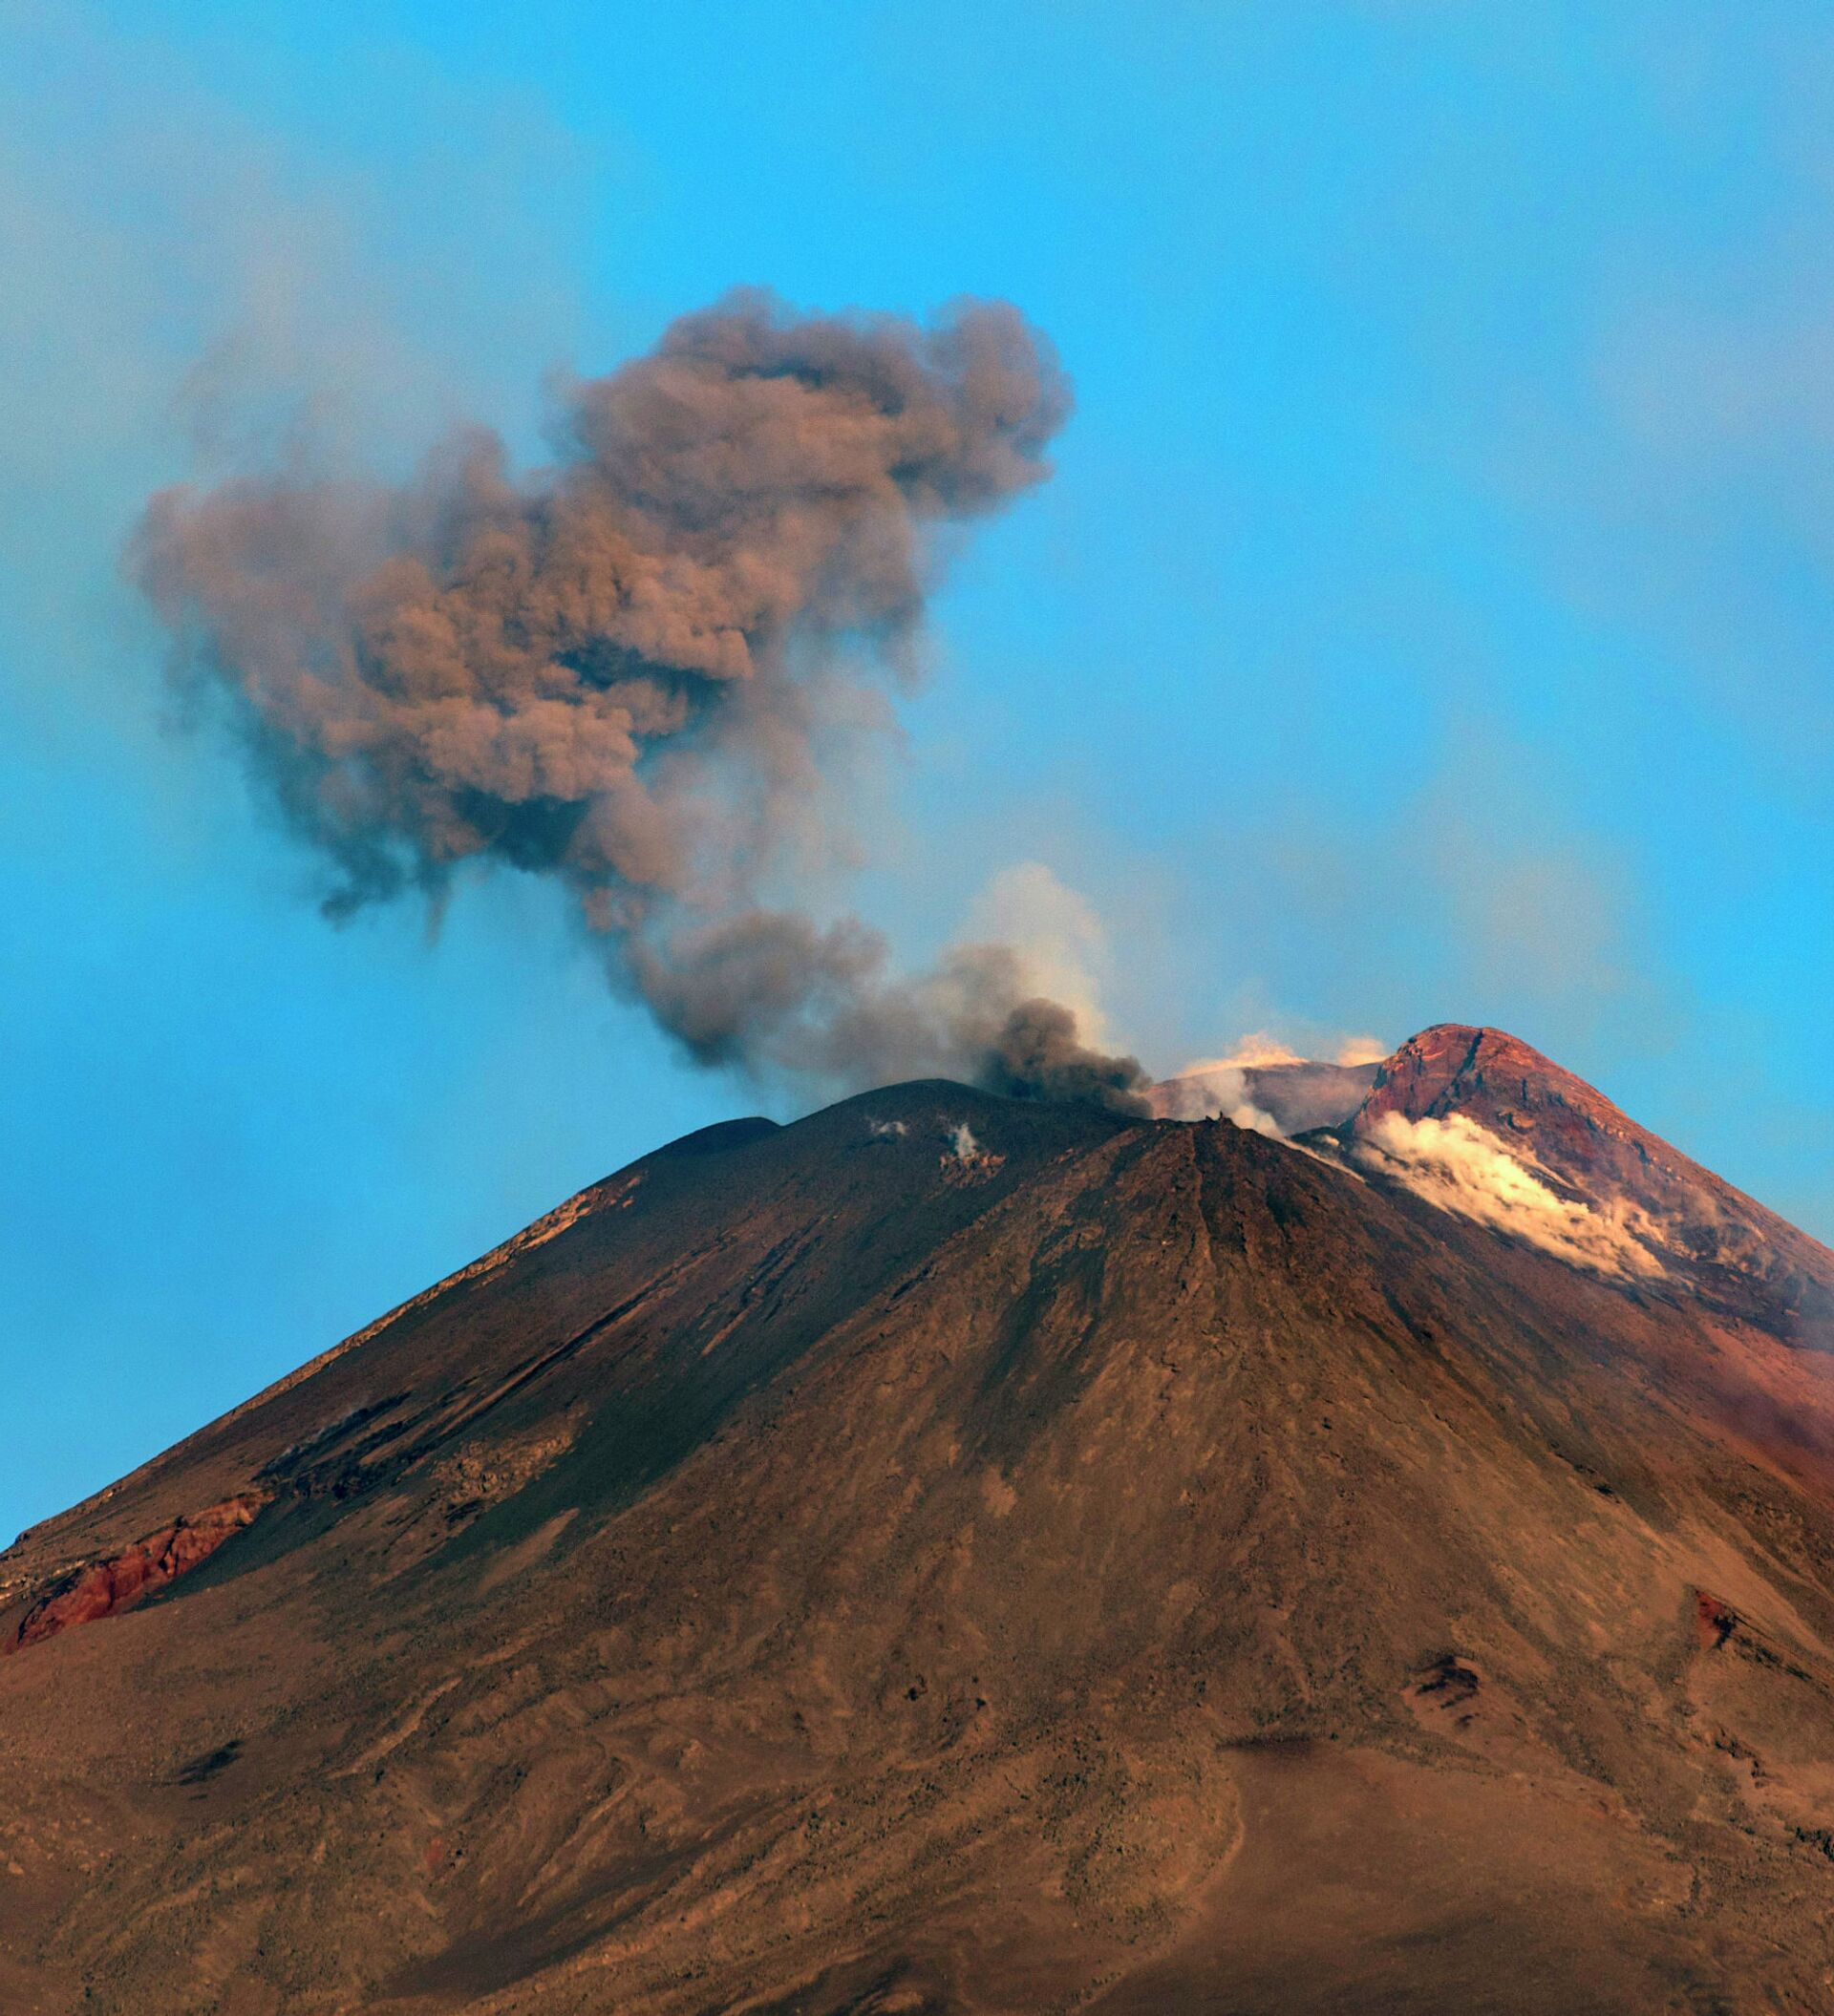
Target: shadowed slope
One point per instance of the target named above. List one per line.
(865, 1566)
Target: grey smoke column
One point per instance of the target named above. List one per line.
(619, 671)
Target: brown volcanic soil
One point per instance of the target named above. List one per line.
(1138, 1567)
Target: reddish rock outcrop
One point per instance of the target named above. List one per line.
(106, 1587)
(1714, 1620)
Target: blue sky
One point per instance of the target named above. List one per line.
(1429, 618)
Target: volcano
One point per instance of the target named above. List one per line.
(960, 1554)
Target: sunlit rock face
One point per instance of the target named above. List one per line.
(961, 1554)
(1691, 1225)
(118, 1582)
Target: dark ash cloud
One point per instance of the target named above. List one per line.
(1038, 1054)
(619, 671)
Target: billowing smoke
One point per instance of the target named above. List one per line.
(1459, 1166)
(624, 671)
(1264, 1085)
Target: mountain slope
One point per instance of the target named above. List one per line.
(950, 1554)
(1695, 1227)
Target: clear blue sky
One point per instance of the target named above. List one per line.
(1430, 617)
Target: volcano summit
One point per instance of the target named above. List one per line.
(956, 1553)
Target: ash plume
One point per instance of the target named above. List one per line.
(624, 672)
(1038, 1053)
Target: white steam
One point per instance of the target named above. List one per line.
(1054, 936)
(1212, 1092)
(1227, 1086)
(1462, 1167)
(1250, 1052)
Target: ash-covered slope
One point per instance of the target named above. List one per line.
(951, 1553)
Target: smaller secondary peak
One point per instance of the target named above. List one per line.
(1289, 1096)
(1481, 1123)
(1454, 1066)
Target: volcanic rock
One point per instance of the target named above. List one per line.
(952, 1553)
(106, 1587)
(1725, 1245)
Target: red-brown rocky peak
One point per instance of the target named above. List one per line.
(1702, 1232)
(1486, 1074)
